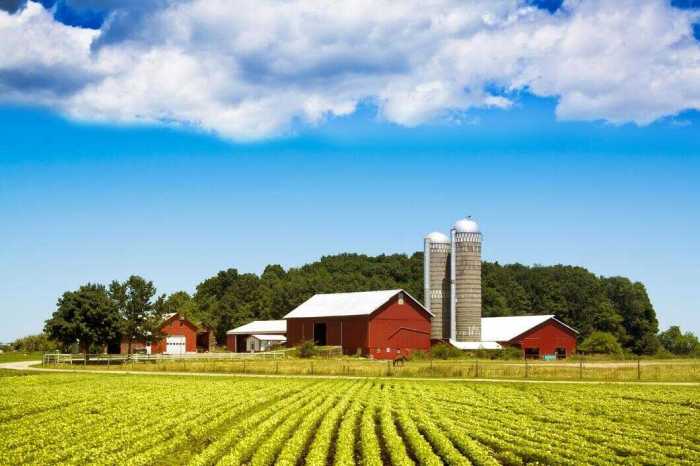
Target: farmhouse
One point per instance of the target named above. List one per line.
(259, 335)
(380, 324)
(181, 336)
(537, 336)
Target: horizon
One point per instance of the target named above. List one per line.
(302, 146)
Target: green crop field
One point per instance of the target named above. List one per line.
(141, 419)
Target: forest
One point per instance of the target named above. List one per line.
(577, 296)
(614, 307)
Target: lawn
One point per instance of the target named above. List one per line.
(13, 357)
(132, 419)
(686, 370)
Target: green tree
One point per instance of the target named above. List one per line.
(601, 343)
(678, 342)
(86, 316)
(140, 317)
(32, 343)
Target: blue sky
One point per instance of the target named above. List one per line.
(106, 171)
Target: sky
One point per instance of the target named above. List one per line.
(177, 138)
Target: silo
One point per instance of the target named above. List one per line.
(437, 283)
(466, 281)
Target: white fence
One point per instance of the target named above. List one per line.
(108, 359)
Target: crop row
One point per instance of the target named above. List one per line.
(140, 420)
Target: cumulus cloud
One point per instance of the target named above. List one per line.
(250, 69)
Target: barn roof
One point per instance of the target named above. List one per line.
(359, 303)
(507, 328)
(260, 327)
(269, 337)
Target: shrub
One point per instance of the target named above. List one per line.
(307, 349)
(445, 351)
(679, 343)
(601, 343)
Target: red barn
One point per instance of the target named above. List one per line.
(537, 336)
(379, 324)
(181, 336)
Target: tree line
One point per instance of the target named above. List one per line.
(130, 310)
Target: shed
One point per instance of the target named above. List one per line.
(380, 324)
(537, 335)
(266, 332)
(180, 336)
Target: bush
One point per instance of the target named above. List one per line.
(418, 355)
(445, 351)
(601, 343)
(307, 349)
(679, 343)
(33, 343)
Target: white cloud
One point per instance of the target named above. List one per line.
(249, 69)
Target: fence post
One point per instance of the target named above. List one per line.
(526, 368)
(276, 364)
(431, 366)
(580, 369)
(639, 370)
(388, 367)
(244, 366)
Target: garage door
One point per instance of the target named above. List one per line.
(175, 344)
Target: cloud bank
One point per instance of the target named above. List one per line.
(253, 69)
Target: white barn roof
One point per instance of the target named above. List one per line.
(269, 337)
(260, 327)
(360, 303)
(507, 328)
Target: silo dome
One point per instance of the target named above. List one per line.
(437, 237)
(466, 225)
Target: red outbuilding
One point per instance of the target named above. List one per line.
(180, 336)
(537, 336)
(379, 324)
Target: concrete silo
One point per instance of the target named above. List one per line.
(437, 283)
(465, 296)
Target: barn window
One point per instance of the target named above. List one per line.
(400, 298)
(532, 353)
(561, 353)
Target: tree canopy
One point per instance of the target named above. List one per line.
(677, 342)
(86, 316)
(580, 298)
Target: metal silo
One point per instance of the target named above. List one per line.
(437, 283)
(465, 292)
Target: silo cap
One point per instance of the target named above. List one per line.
(437, 237)
(466, 225)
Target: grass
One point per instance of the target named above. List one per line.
(650, 371)
(17, 356)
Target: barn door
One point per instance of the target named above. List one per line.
(320, 333)
(175, 344)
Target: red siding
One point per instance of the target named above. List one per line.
(177, 326)
(398, 329)
(352, 336)
(401, 328)
(231, 343)
(548, 337)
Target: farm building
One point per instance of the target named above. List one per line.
(259, 335)
(537, 336)
(181, 336)
(380, 324)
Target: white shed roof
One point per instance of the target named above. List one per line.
(260, 327)
(474, 345)
(345, 304)
(507, 328)
(269, 337)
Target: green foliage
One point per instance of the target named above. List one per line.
(445, 351)
(307, 349)
(33, 343)
(140, 316)
(679, 343)
(601, 343)
(87, 315)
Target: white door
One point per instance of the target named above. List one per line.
(175, 344)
